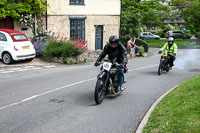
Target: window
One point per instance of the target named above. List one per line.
(145, 34)
(20, 37)
(77, 28)
(2, 37)
(76, 2)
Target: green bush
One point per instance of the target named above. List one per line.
(142, 43)
(187, 36)
(141, 50)
(161, 33)
(61, 48)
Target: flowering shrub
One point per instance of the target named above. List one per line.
(39, 45)
(80, 44)
(26, 20)
(61, 47)
(41, 34)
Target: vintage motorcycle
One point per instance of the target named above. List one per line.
(107, 81)
(164, 63)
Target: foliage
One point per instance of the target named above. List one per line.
(160, 43)
(179, 111)
(190, 11)
(27, 20)
(39, 45)
(40, 39)
(41, 34)
(64, 48)
(142, 43)
(161, 33)
(141, 50)
(15, 9)
(137, 14)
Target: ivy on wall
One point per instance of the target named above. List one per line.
(16, 8)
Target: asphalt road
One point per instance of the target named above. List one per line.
(61, 99)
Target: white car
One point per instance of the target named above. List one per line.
(15, 46)
(148, 36)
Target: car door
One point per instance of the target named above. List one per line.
(145, 36)
(3, 43)
(151, 36)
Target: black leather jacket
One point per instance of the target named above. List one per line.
(119, 52)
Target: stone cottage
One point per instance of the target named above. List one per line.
(91, 20)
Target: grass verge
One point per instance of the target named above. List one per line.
(160, 43)
(179, 111)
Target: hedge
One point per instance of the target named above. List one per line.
(140, 42)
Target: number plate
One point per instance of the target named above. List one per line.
(164, 53)
(26, 47)
(107, 66)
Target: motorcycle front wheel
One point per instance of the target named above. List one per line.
(160, 69)
(99, 92)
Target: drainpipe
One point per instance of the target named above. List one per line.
(35, 24)
(120, 17)
(46, 16)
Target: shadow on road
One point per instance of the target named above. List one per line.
(153, 73)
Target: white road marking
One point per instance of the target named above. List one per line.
(36, 68)
(22, 70)
(29, 66)
(49, 66)
(60, 88)
(26, 68)
(13, 69)
(8, 72)
(142, 67)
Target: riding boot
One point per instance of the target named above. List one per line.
(118, 89)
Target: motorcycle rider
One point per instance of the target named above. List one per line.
(114, 49)
(172, 48)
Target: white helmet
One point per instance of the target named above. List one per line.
(170, 39)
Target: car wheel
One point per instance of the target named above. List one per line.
(7, 58)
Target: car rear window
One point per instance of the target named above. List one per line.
(20, 37)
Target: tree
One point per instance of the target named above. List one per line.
(190, 12)
(137, 14)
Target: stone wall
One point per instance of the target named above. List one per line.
(90, 7)
(60, 25)
(111, 25)
(18, 27)
(88, 56)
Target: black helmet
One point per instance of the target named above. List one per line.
(114, 39)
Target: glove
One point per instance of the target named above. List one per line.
(174, 54)
(96, 63)
(121, 65)
(160, 52)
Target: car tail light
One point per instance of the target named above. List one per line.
(169, 33)
(15, 48)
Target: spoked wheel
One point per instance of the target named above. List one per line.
(168, 68)
(160, 69)
(99, 92)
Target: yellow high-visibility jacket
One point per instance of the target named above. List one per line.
(172, 50)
